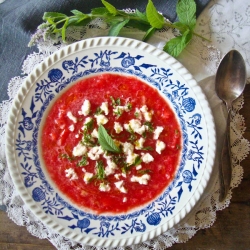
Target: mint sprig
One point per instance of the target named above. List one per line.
(57, 23)
(106, 141)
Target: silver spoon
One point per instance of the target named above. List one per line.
(230, 82)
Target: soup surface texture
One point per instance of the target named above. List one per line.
(111, 143)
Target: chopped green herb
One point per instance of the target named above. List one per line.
(66, 156)
(138, 161)
(115, 102)
(89, 125)
(147, 148)
(100, 173)
(87, 139)
(129, 106)
(118, 112)
(144, 171)
(83, 161)
(132, 136)
(136, 114)
(98, 111)
(150, 126)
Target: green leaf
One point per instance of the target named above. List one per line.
(78, 13)
(176, 45)
(181, 27)
(116, 28)
(106, 141)
(155, 19)
(53, 15)
(186, 12)
(64, 30)
(99, 11)
(113, 19)
(148, 34)
(109, 7)
(141, 15)
(138, 25)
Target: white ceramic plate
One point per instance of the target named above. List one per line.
(62, 69)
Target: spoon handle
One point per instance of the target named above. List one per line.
(226, 162)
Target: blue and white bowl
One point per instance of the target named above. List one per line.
(57, 73)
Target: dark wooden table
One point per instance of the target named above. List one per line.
(230, 231)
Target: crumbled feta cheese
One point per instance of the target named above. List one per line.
(118, 110)
(79, 150)
(104, 108)
(143, 180)
(104, 187)
(71, 174)
(71, 127)
(160, 145)
(95, 152)
(147, 114)
(118, 127)
(87, 120)
(119, 185)
(117, 176)
(94, 133)
(144, 109)
(135, 126)
(71, 117)
(147, 158)
(85, 109)
(126, 126)
(76, 136)
(138, 114)
(157, 132)
(87, 177)
(101, 119)
(141, 130)
(139, 143)
(127, 147)
(111, 167)
(131, 157)
(124, 175)
(138, 167)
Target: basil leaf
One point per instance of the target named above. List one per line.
(106, 141)
(176, 45)
(109, 7)
(186, 10)
(155, 19)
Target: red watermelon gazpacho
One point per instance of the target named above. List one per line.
(111, 143)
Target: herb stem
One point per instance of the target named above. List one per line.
(202, 37)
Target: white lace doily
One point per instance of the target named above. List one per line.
(226, 31)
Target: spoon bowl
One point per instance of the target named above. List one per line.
(230, 82)
(231, 77)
